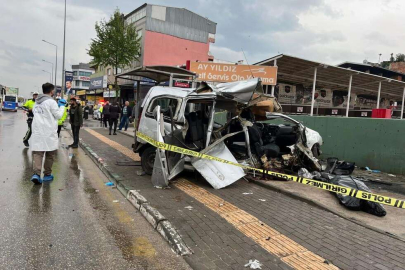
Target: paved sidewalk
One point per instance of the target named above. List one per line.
(219, 244)
(392, 223)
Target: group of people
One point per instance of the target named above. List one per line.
(46, 117)
(111, 113)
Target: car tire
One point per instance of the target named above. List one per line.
(148, 159)
(316, 151)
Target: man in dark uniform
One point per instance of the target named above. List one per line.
(76, 120)
(28, 106)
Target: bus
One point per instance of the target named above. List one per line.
(10, 102)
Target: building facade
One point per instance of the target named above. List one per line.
(81, 78)
(169, 36)
(398, 67)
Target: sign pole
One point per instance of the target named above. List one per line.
(348, 96)
(402, 105)
(273, 86)
(379, 94)
(313, 92)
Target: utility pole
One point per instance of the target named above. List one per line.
(63, 86)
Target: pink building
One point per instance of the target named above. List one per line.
(170, 36)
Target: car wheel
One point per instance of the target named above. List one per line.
(316, 150)
(148, 159)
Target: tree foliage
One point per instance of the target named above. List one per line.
(400, 57)
(116, 44)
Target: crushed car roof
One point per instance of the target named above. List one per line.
(241, 91)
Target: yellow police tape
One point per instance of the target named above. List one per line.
(314, 183)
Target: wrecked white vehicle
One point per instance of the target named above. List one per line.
(232, 121)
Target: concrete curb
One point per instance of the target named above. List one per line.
(319, 205)
(153, 216)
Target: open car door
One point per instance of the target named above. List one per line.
(167, 164)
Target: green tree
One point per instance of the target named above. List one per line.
(116, 44)
(400, 57)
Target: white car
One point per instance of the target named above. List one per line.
(189, 118)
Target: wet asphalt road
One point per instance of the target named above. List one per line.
(74, 222)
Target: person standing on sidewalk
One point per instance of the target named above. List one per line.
(62, 103)
(100, 109)
(28, 106)
(76, 121)
(106, 114)
(86, 111)
(115, 111)
(44, 136)
(126, 114)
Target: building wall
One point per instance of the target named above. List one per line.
(398, 67)
(79, 73)
(179, 22)
(161, 49)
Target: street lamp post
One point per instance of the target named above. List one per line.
(63, 65)
(56, 59)
(50, 75)
(52, 69)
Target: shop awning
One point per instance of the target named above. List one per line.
(157, 73)
(295, 70)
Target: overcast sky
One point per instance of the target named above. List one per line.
(330, 31)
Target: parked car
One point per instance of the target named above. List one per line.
(251, 132)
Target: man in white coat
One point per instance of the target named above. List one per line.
(44, 133)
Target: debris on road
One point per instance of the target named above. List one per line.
(355, 203)
(305, 173)
(254, 264)
(339, 173)
(374, 171)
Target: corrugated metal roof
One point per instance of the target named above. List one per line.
(300, 71)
